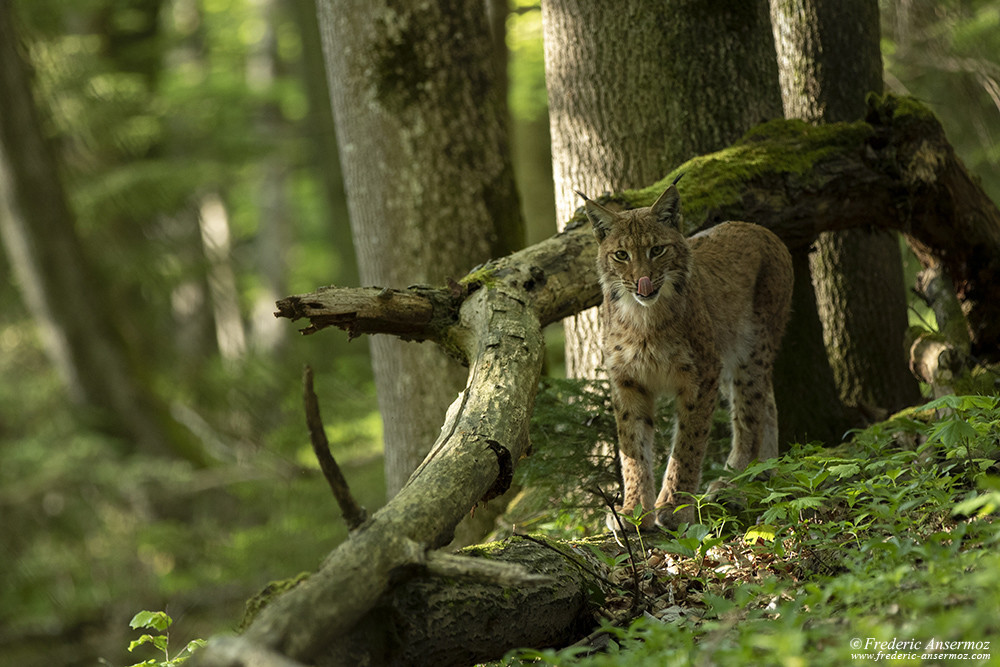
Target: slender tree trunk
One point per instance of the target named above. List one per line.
(829, 55)
(213, 221)
(423, 140)
(634, 92)
(273, 241)
(56, 279)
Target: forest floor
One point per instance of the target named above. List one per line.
(883, 549)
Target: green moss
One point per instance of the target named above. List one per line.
(901, 108)
(268, 593)
(489, 549)
(770, 150)
(773, 150)
(398, 69)
(483, 276)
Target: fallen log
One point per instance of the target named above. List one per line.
(893, 170)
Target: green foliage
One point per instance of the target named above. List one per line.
(946, 54)
(92, 532)
(528, 100)
(891, 536)
(160, 622)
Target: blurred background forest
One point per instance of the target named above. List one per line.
(196, 149)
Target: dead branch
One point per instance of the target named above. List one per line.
(354, 514)
(411, 314)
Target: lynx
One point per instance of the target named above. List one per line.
(682, 317)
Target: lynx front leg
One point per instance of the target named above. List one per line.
(633, 404)
(683, 475)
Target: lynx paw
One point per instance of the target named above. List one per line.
(670, 518)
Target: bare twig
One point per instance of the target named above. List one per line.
(628, 545)
(354, 514)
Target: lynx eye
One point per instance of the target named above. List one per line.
(620, 255)
(656, 251)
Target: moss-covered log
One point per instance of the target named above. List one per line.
(893, 170)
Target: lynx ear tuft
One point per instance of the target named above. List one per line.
(601, 218)
(666, 209)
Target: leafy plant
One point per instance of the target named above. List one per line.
(159, 622)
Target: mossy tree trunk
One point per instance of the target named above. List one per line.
(421, 122)
(830, 60)
(634, 91)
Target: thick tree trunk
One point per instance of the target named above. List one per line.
(830, 60)
(423, 142)
(623, 116)
(787, 175)
(58, 283)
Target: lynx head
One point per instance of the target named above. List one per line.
(641, 252)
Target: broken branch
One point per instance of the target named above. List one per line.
(354, 514)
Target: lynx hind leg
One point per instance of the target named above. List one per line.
(633, 405)
(769, 446)
(683, 474)
(752, 407)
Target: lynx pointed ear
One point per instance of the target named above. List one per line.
(601, 218)
(666, 209)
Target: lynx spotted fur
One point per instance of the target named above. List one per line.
(685, 317)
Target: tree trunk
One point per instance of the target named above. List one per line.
(624, 117)
(56, 280)
(791, 177)
(830, 60)
(423, 141)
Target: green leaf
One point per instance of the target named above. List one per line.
(762, 531)
(698, 531)
(717, 604)
(953, 432)
(159, 641)
(807, 502)
(156, 620)
(949, 402)
(683, 547)
(845, 470)
(980, 505)
(775, 495)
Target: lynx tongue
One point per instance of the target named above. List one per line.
(645, 286)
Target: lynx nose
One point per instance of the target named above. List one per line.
(645, 286)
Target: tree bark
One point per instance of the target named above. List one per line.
(623, 117)
(57, 281)
(787, 175)
(829, 61)
(423, 142)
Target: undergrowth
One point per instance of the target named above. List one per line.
(881, 549)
